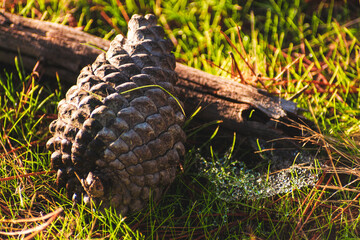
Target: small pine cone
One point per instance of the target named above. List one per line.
(118, 140)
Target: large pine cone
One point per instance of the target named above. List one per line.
(117, 140)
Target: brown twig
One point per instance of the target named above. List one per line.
(35, 230)
(26, 175)
(109, 21)
(123, 11)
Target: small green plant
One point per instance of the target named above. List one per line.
(234, 181)
(23, 106)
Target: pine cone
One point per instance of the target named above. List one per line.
(118, 137)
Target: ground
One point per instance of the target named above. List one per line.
(278, 46)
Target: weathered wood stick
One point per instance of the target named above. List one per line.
(65, 50)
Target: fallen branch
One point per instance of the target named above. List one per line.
(64, 50)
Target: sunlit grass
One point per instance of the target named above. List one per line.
(291, 49)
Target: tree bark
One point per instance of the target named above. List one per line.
(64, 50)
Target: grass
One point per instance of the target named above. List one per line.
(285, 47)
